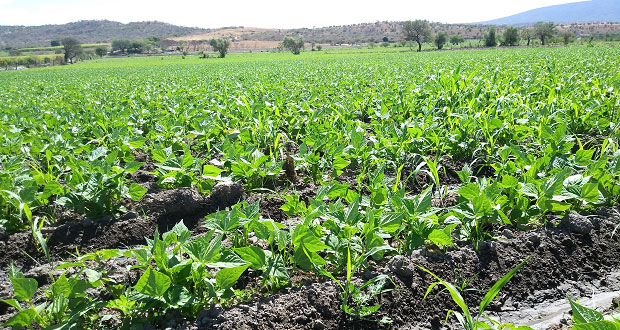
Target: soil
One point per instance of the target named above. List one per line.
(575, 256)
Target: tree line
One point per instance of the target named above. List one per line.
(419, 31)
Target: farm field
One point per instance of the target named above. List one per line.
(320, 191)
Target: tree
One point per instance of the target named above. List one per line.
(220, 46)
(510, 37)
(490, 38)
(293, 45)
(456, 39)
(55, 43)
(101, 51)
(544, 31)
(440, 40)
(72, 47)
(527, 34)
(418, 31)
(136, 47)
(121, 45)
(567, 37)
(386, 39)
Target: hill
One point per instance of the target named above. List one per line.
(89, 32)
(577, 12)
(250, 38)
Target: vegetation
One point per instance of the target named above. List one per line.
(567, 37)
(440, 39)
(295, 46)
(90, 31)
(544, 31)
(381, 140)
(101, 51)
(72, 48)
(490, 38)
(220, 46)
(510, 37)
(456, 40)
(527, 34)
(418, 31)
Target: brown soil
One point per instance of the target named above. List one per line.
(570, 256)
(567, 256)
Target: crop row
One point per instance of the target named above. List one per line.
(407, 150)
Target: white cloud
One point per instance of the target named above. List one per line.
(266, 13)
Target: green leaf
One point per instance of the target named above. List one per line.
(22, 319)
(182, 232)
(583, 314)
(188, 160)
(204, 249)
(13, 303)
(492, 293)
(509, 181)
(227, 277)
(136, 191)
(583, 157)
(252, 254)
(178, 296)
(529, 189)
(589, 192)
(391, 222)
(456, 297)
(440, 238)
(153, 283)
(482, 205)
(132, 167)
(97, 153)
(24, 287)
(276, 268)
(302, 236)
(469, 191)
(340, 163)
(421, 203)
(554, 185)
(52, 188)
(159, 155)
(211, 171)
(554, 206)
(598, 325)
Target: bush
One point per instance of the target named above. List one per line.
(220, 46)
(510, 37)
(295, 46)
(440, 39)
(490, 38)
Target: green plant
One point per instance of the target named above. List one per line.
(465, 317)
(589, 319)
(355, 300)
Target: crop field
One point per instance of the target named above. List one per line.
(351, 190)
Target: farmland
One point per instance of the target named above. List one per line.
(312, 191)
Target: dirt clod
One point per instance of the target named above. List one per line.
(226, 194)
(577, 223)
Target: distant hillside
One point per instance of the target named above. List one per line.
(578, 12)
(245, 37)
(89, 32)
(338, 34)
(253, 38)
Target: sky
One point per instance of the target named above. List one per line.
(261, 13)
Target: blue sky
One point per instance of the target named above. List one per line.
(256, 13)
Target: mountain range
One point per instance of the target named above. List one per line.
(576, 12)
